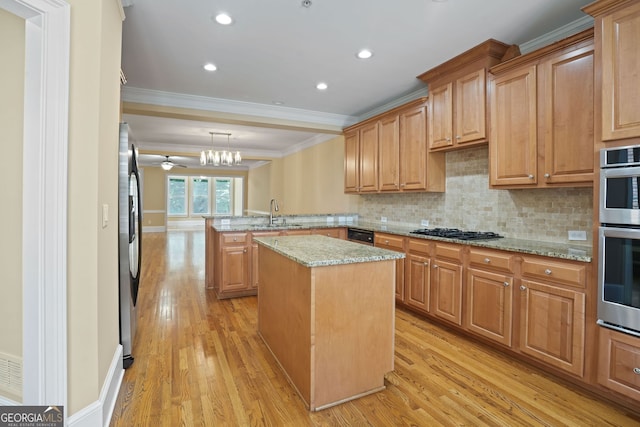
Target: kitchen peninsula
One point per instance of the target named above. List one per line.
(326, 312)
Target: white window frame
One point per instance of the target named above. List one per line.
(192, 187)
(186, 196)
(232, 195)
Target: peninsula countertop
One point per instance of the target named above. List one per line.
(318, 251)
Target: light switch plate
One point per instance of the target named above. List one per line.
(577, 235)
(226, 221)
(424, 223)
(105, 215)
(383, 219)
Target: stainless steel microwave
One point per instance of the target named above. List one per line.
(620, 185)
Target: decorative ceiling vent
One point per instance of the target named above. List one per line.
(10, 374)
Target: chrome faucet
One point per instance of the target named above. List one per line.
(273, 206)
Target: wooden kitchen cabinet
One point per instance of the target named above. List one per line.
(489, 295)
(361, 159)
(446, 282)
(458, 97)
(542, 117)
(336, 233)
(619, 362)
(400, 158)
(232, 264)
(394, 243)
(617, 24)
(552, 312)
(418, 275)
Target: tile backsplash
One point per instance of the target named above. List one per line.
(468, 203)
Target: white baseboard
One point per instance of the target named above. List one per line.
(99, 413)
(8, 402)
(154, 229)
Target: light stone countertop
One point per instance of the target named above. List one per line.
(570, 251)
(318, 251)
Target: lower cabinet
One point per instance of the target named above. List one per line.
(446, 283)
(552, 313)
(619, 362)
(255, 257)
(231, 263)
(418, 275)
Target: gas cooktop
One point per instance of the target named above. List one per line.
(454, 233)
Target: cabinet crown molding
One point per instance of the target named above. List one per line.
(602, 7)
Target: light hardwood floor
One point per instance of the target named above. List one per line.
(200, 362)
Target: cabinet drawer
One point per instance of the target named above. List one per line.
(557, 271)
(420, 246)
(388, 241)
(619, 362)
(453, 252)
(232, 238)
(491, 259)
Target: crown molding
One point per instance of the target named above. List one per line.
(558, 34)
(178, 100)
(310, 142)
(420, 93)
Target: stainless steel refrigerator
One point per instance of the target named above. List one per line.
(129, 242)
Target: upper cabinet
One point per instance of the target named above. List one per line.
(388, 153)
(541, 109)
(458, 97)
(617, 28)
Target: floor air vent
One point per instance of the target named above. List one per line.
(10, 374)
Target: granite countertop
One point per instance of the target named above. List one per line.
(575, 252)
(318, 251)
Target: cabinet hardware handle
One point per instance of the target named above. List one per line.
(523, 288)
(636, 371)
(426, 264)
(547, 272)
(458, 137)
(530, 176)
(506, 284)
(546, 175)
(487, 260)
(402, 185)
(386, 242)
(244, 251)
(448, 139)
(435, 266)
(235, 239)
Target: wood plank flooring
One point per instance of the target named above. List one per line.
(200, 362)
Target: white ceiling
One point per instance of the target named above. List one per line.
(277, 50)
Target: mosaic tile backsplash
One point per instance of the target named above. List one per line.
(468, 203)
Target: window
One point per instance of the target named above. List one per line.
(200, 196)
(197, 196)
(177, 196)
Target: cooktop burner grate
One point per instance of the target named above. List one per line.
(454, 233)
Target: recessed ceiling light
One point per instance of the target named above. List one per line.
(277, 102)
(322, 86)
(210, 67)
(223, 19)
(364, 54)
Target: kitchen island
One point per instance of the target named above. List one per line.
(326, 313)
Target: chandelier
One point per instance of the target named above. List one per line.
(217, 158)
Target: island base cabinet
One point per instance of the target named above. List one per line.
(552, 326)
(330, 328)
(619, 362)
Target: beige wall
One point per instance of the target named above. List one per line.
(307, 182)
(92, 265)
(154, 191)
(11, 121)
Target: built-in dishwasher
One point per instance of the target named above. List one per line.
(360, 235)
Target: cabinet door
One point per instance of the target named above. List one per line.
(413, 149)
(470, 107)
(389, 140)
(235, 268)
(566, 85)
(620, 77)
(351, 162)
(394, 243)
(446, 291)
(440, 116)
(619, 362)
(552, 325)
(369, 158)
(417, 282)
(255, 256)
(513, 142)
(336, 233)
(489, 299)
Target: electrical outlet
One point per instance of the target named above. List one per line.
(577, 235)
(329, 220)
(383, 219)
(226, 221)
(105, 215)
(424, 223)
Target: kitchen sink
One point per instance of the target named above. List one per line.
(277, 225)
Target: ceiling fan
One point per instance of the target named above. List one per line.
(167, 164)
